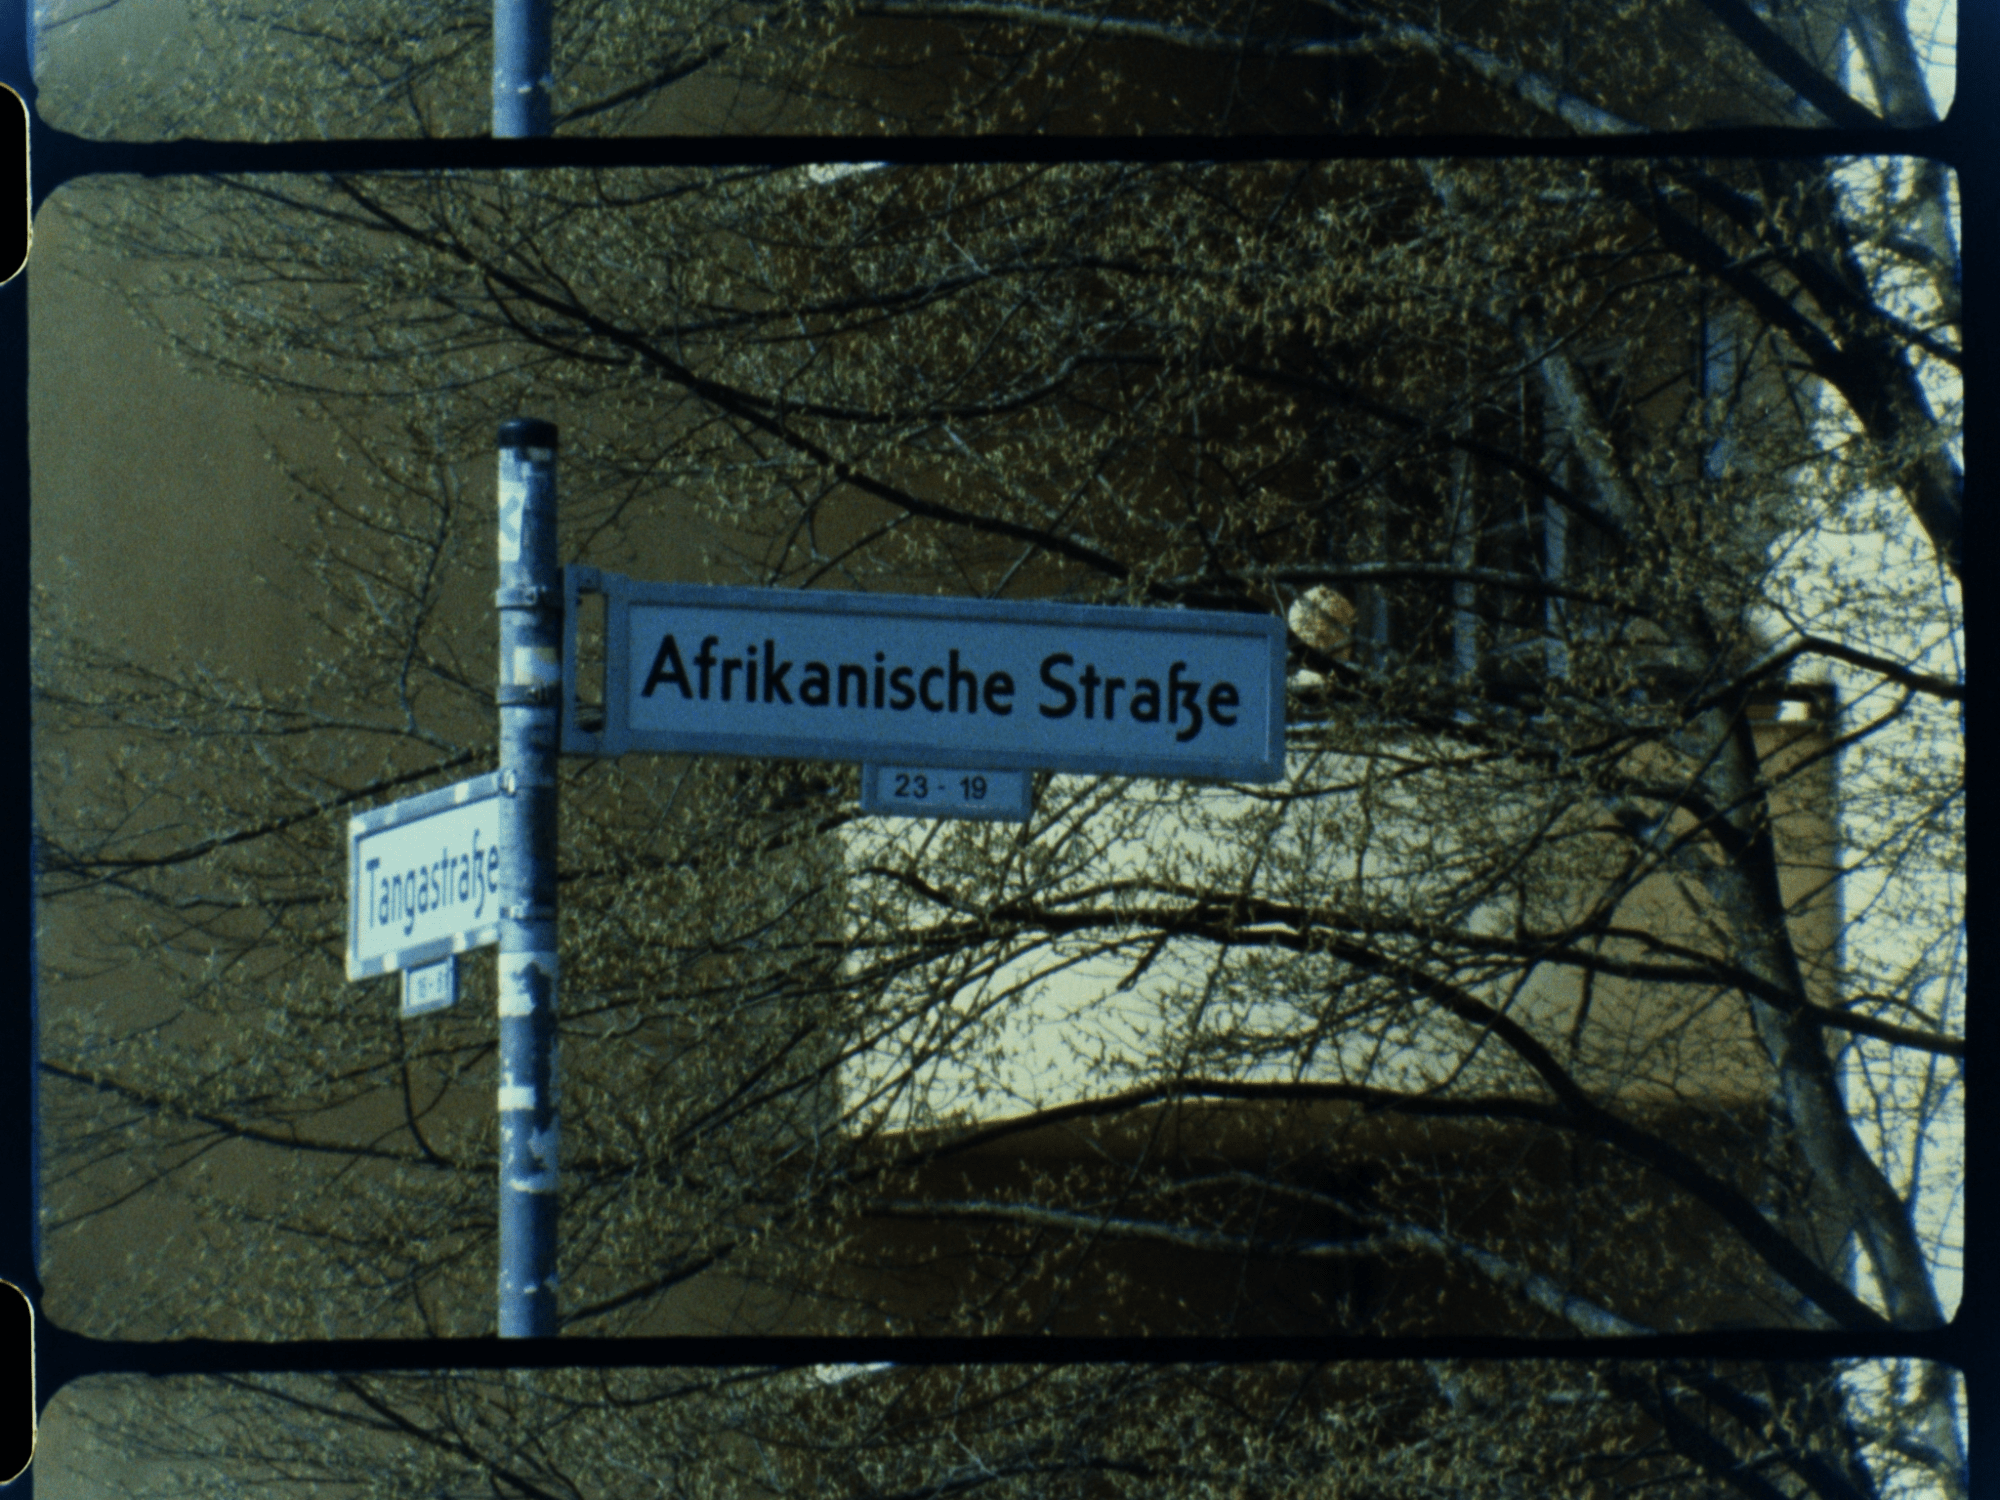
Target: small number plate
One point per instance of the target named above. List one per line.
(914, 792)
(432, 987)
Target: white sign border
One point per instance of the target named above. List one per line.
(617, 737)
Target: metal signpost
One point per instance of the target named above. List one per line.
(530, 604)
(928, 685)
(948, 704)
(531, 608)
(473, 865)
(522, 56)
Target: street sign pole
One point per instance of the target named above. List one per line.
(530, 693)
(521, 65)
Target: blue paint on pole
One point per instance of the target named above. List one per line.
(521, 68)
(530, 693)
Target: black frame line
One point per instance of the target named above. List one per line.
(61, 156)
(63, 1356)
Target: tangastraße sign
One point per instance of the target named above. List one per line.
(940, 684)
(423, 878)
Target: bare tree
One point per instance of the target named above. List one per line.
(1529, 994)
(1522, 997)
(1402, 1430)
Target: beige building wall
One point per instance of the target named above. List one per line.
(1650, 1042)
